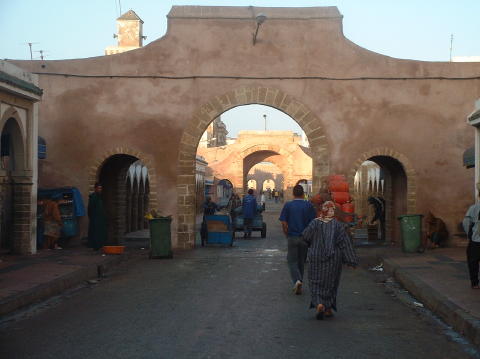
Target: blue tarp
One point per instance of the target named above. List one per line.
(55, 193)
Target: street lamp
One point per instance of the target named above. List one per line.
(265, 121)
(260, 18)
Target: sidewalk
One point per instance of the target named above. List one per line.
(439, 279)
(29, 279)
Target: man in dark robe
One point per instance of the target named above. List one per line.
(378, 204)
(97, 225)
(329, 248)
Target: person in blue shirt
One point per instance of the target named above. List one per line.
(296, 215)
(249, 209)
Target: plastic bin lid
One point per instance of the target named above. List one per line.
(168, 218)
(409, 215)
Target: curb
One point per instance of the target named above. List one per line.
(463, 322)
(59, 285)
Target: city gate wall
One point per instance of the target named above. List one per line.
(159, 99)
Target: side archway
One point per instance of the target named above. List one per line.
(147, 160)
(207, 112)
(127, 195)
(398, 187)
(15, 186)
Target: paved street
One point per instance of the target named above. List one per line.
(224, 303)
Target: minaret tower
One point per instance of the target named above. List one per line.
(129, 33)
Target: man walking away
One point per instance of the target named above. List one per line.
(249, 209)
(471, 225)
(295, 217)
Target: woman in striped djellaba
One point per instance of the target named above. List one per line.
(329, 248)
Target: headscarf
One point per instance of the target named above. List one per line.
(327, 213)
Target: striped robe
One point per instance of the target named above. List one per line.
(329, 247)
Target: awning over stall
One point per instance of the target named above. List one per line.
(469, 157)
(42, 148)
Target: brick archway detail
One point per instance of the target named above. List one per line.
(147, 160)
(207, 112)
(407, 166)
(287, 170)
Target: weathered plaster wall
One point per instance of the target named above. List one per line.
(160, 98)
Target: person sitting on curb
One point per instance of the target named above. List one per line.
(436, 232)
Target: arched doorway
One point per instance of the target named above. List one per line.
(125, 193)
(384, 178)
(252, 184)
(268, 185)
(224, 192)
(264, 164)
(268, 176)
(211, 110)
(12, 160)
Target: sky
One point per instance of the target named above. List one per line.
(408, 29)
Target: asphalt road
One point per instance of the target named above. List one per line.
(224, 303)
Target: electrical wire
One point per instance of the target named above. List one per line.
(232, 77)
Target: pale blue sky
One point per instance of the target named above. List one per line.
(410, 29)
(250, 117)
(414, 29)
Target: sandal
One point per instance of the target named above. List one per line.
(320, 312)
(328, 313)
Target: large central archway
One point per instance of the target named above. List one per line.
(212, 109)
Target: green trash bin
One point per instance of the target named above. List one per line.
(160, 237)
(411, 232)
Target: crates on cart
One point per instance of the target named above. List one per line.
(219, 229)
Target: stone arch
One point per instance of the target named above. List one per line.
(15, 187)
(147, 160)
(20, 140)
(12, 112)
(399, 189)
(404, 161)
(112, 168)
(276, 178)
(285, 168)
(207, 112)
(252, 181)
(270, 180)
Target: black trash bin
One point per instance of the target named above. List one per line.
(160, 237)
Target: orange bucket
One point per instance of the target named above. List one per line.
(338, 186)
(113, 249)
(340, 197)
